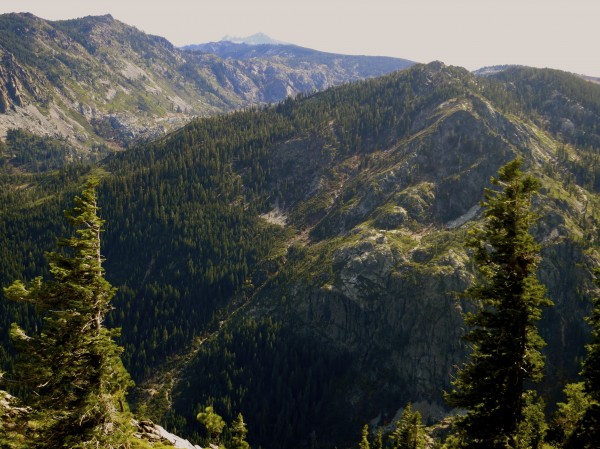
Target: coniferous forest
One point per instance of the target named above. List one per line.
(403, 262)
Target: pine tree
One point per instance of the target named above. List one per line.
(508, 298)
(71, 370)
(409, 432)
(587, 433)
(567, 418)
(238, 433)
(213, 423)
(378, 440)
(364, 438)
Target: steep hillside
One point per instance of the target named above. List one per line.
(382, 196)
(91, 81)
(567, 105)
(300, 263)
(99, 84)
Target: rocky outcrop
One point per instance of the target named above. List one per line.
(362, 266)
(13, 422)
(147, 430)
(17, 86)
(397, 301)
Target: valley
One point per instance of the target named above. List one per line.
(301, 258)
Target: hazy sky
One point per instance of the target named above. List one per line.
(561, 34)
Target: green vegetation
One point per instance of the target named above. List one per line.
(591, 366)
(409, 432)
(265, 372)
(503, 333)
(70, 373)
(213, 424)
(578, 419)
(35, 154)
(567, 418)
(341, 308)
(238, 433)
(364, 438)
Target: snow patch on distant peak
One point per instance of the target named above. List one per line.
(255, 39)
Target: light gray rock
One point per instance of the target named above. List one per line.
(153, 432)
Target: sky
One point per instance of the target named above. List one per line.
(469, 33)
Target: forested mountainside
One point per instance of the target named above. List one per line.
(300, 263)
(96, 84)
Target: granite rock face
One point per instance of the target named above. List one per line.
(154, 433)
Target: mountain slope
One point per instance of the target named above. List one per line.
(255, 39)
(342, 67)
(307, 255)
(88, 80)
(96, 82)
(387, 190)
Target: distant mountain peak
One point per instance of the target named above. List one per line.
(106, 17)
(255, 39)
(494, 69)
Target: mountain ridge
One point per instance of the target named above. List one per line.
(255, 39)
(102, 85)
(343, 309)
(369, 281)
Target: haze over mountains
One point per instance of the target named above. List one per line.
(298, 262)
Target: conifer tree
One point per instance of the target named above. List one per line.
(213, 422)
(378, 439)
(238, 433)
(364, 438)
(567, 418)
(587, 433)
(72, 371)
(493, 386)
(409, 432)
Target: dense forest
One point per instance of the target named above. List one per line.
(344, 309)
